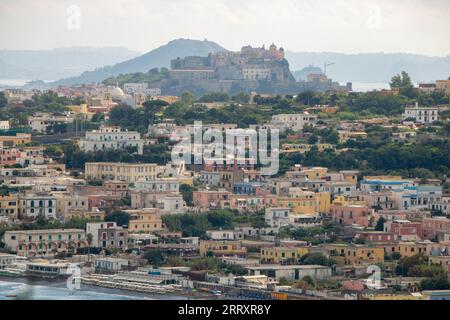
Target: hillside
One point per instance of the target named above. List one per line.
(156, 58)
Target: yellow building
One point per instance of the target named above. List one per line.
(221, 248)
(81, 109)
(443, 85)
(130, 172)
(168, 99)
(350, 175)
(306, 202)
(144, 221)
(312, 173)
(342, 202)
(9, 206)
(443, 261)
(19, 138)
(345, 135)
(357, 255)
(94, 215)
(409, 249)
(282, 254)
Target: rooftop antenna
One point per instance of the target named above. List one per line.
(325, 65)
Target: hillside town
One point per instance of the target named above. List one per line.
(358, 208)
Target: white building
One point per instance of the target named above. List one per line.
(158, 185)
(111, 138)
(33, 206)
(210, 178)
(294, 122)
(225, 234)
(425, 115)
(172, 203)
(277, 217)
(141, 88)
(42, 121)
(111, 264)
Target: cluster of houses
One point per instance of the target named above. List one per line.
(379, 215)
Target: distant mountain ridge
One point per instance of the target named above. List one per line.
(104, 63)
(58, 63)
(372, 67)
(157, 58)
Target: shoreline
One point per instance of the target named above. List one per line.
(61, 284)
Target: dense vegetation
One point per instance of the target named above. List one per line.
(195, 225)
(377, 155)
(153, 75)
(75, 159)
(41, 102)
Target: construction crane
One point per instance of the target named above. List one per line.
(325, 65)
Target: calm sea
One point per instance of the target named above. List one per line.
(12, 290)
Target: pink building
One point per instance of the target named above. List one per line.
(405, 230)
(209, 199)
(351, 214)
(9, 156)
(376, 236)
(435, 227)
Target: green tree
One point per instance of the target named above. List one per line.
(316, 258)
(187, 98)
(435, 283)
(241, 98)
(313, 139)
(154, 257)
(403, 83)
(406, 264)
(236, 270)
(120, 217)
(187, 192)
(380, 224)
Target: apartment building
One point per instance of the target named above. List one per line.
(36, 242)
(294, 122)
(435, 228)
(42, 122)
(425, 115)
(9, 208)
(111, 138)
(356, 254)
(277, 217)
(66, 203)
(107, 235)
(32, 206)
(209, 199)
(222, 248)
(350, 213)
(225, 234)
(144, 221)
(12, 141)
(129, 172)
(282, 255)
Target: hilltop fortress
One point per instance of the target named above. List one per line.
(249, 70)
(248, 64)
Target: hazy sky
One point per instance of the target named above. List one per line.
(414, 26)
